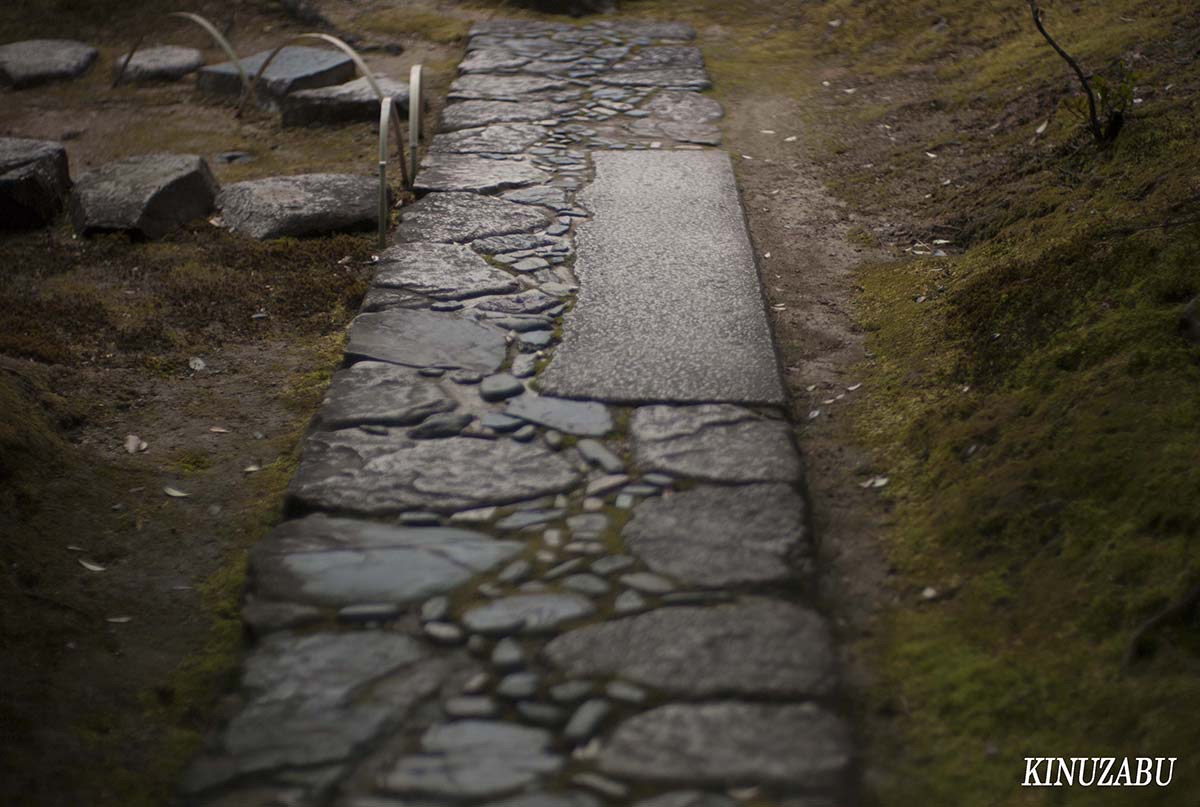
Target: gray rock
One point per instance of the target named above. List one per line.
(566, 798)
(34, 181)
(383, 394)
(353, 101)
(588, 584)
(718, 536)
(339, 561)
(162, 63)
(533, 341)
(301, 205)
(544, 195)
(295, 68)
(473, 114)
(715, 442)
(705, 134)
(647, 583)
(570, 691)
(586, 720)
(148, 195)
(628, 602)
(669, 307)
(519, 242)
(753, 647)
(442, 171)
(527, 613)
(611, 564)
(543, 714)
(40, 61)
(528, 518)
(309, 701)
(684, 107)
(354, 471)
(426, 339)
(440, 271)
(435, 609)
(662, 57)
(688, 798)
(507, 654)
(446, 633)
(491, 60)
(437, 427)
(725, 743)
(368, 613)
(474, 87)
(628, 693)
(499, 387)
(380, 299)
(582, 418)
(460, 217)
(499, 138)
(518, 685)
(596, 453)
(473, 759)
(470, 707)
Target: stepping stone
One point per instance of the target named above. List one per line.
(309, 702)
(295, 68)
(688, 798)
(469, 172)
(669, 307)
(500, 88)
(40, 61)
(581, 418)
(473, 759)
(300, 205)
(726, 743)
(714, 442)
(472, 114)
(148, 196)
(34, 182)
(163, 63)
(676, 78)
(335, 562)
(723, 536)
(440, 271)
(753, 647)
(355, 471)
(660, 57)
(459, 217)
(353, 101)
(684, 107)
(426, 339)
(491, 60)
(373, 392)
(500, 138)
(526, 614)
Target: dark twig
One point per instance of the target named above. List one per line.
(1094, 123)
(1177, 610)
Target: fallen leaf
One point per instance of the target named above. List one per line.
(874, 482)
(119, 620)
(1042, 129)
(177, 494)
(767, 131)
(218, 430)
(132, 443)
(930, 593)
(855, 388)
(931, 155)
(250, 469)
(91, 567)
(196, 363)
(74, 548)
(813, 415)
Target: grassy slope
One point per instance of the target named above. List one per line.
(1038, 412)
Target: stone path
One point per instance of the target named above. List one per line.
(488, 594)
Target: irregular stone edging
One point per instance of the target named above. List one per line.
(509, 599)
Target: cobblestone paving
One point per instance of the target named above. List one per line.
(491, 596)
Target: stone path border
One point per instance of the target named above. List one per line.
(490, 596)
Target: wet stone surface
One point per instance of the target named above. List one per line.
(295, 68)
(426, 339)
(300, 205)
(469, 172)
(163, 63)
(372, 392)
(440, 271)
(148, 196)
(459, 217)
(40, 61)
(716, 442)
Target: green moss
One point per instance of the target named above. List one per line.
(192, 461)
(431, 25)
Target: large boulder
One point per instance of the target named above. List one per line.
(147, 196)
(34, 180)
(295, 68)
(165, 63)
(301, 205)
(353, 101)
(40, 61)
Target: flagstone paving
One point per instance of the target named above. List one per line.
(546, 545)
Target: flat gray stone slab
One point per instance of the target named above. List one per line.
(337, 562)
(40, 61)
(162, 63)
(499, 138)
(491, 60)
(714, 442)
(353, 101)
(722, 536)
(688, 798)
(310, 702)
(676, 78)
(669, 306)
(355, 471)
(754, 647)
(374, 392)
(701, 133)
(300, 205)
(501, 88)
(417, 338)
(440, 271)
(685, 107)
(441, 171)
(662, 57)
(459, 217)
(34, 182)
(472, 114)
(581, 418)
(149, 195)
(725, 743)
(473, 759)
(527, 613)
(564, 799)
(544, 195)
(295, 68)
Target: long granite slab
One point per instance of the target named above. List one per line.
(669, 305)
